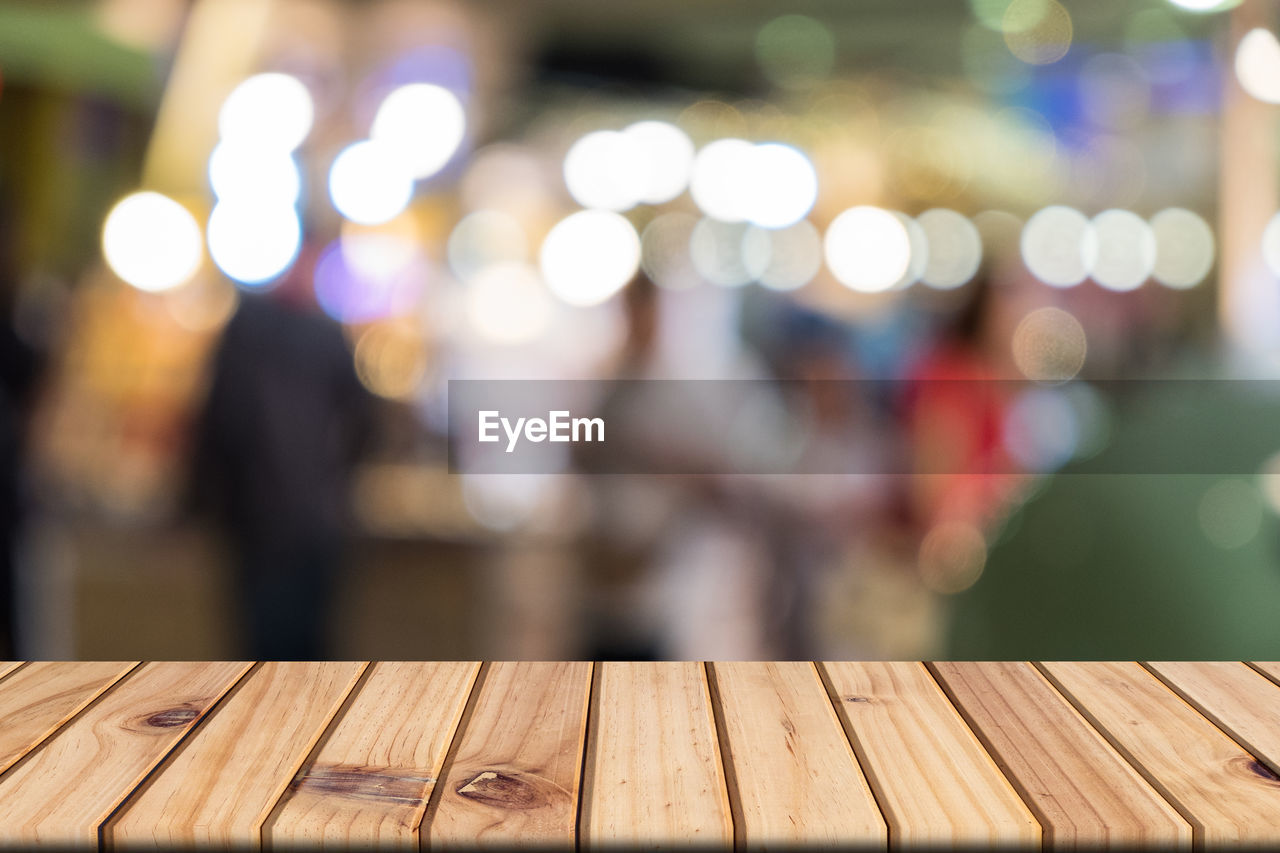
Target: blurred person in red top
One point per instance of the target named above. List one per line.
(955, 411)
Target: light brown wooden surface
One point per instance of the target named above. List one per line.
(368, 784)
(1227, 796)
(934, 781)
(219, 789)
(63, 792)
(1085, 795)
(42, 696)
(8, 666)
(576, 756)
(1239, 700)
(515, 776)
(793, 773)
(654, 776)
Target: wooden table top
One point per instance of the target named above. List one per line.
(565, 755)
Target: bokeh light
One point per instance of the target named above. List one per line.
(252, 243)
(242, 172)
(664, 250)
(606, 170)
(1049, 345)
(1258, 65)
(151, 241)
(717, 251)
(1230, 513)
(795, 51)
(352, 295)
(484, 238)
(383, 250)
(1184, 248)
(269, 110)
(1059, 246)
(785, 258)
(391, 359)
(1204, 5)
(1038, 32)
(919, 247)
(719, 183)
(423, 124)
(1126, 253)
(508, 304)
(784, 186)
(589, 256)
(867, 249)
(668, 154)
(369, 184)
(955, 248)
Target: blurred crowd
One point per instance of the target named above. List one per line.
(246, 244)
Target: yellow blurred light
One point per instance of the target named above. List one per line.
(508, 304)
(1059, 246)
(423, 124)
(380, 251)
(151, 241)
(1258, 65)
(391, 360)
(589, 256)
(1038, 32)
(369, 184)
(868, 249)
(1184, 248)
(251, 243)
(955, 248)
(267, 110)
(1049, 345)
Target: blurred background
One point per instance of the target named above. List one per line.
(245, 244)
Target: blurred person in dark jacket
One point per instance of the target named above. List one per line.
(282, 429)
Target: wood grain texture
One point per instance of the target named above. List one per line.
(1229, 798)
(935, 783)
(1085, 795)
(1242, 702)
(788, 762)
(217, 791)
(8, 666)
(368, 784)
(1271, 669)
(41, 697)
(514, 779)
(62, 793)
(654, 776)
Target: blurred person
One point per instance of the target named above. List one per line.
(283, 426)
(19, 371)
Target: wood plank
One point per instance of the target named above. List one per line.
(935, 783)
(8, 666)
(1271, 669)
(1228, 797)
(1239, 700)
(513, 781)
(788, 762)
(220, 787)
(368, 784)
(41, 697)
(1085, 795)
(62, 793)
(654, 776)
